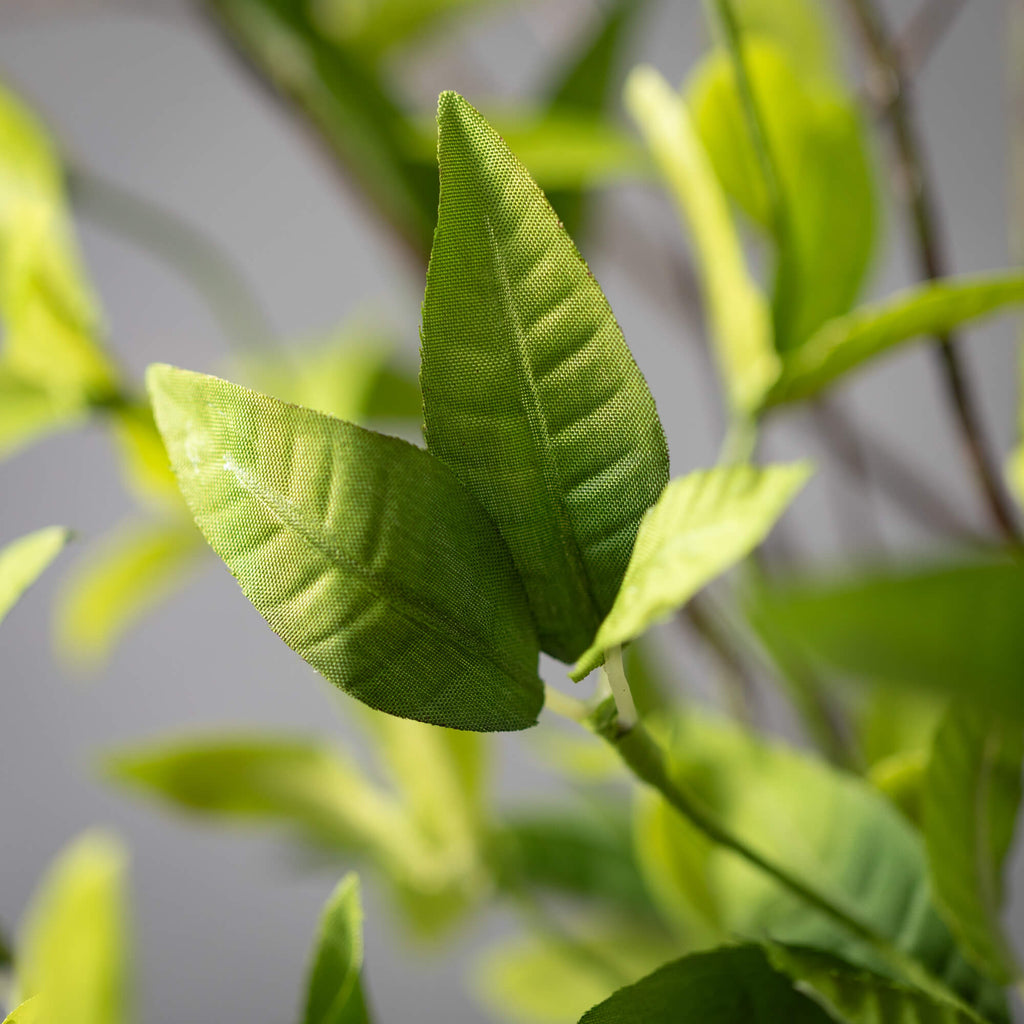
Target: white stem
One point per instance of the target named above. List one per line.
(614, 672)
(562, 704)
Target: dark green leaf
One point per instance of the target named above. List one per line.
(854, 996)
(23, 560)
(846, 342)
(530, 394)
(971, 799)
(702, 525)
(363, 553)
(334, 990)
(724, 986)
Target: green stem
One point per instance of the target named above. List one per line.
(196, 257)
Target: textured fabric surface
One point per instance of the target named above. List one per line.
(363, 552)
(530, 393)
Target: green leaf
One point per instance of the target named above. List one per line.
(73, 954)
(826, 827)
(740, 318)
(144, 463)
(846, 342)
(362, 552)
(703, 524)
(29, 411)
(530, 393)
(723, 986)
(28, 1012)
(971, 800)
(130, 572)
(818, 146)
(799, 27)
(854, 996)
(347, 101)
(334, 990)
(939, 628)
(23, 560)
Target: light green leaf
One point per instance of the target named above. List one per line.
(362, 552)
(939, 628)
(818, 146)
(845, 343)
(530, 394)
(346, 100)
(28, 1012)
(1014, 464)
(723, 986)
(828, 828)
(703, 524)
(854, 996)
(23, 560)
(972, 797)
(131, 571)
(799, 27)
(29, 411)
(740, 318)
(334, 990)
(144, 463)
(73, 954)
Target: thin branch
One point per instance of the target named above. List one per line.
(924, 31)
(890, 87)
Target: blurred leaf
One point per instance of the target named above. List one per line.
(553, 978)
(900, 777)
(28, 1012)
(972, 797)
(530, 393)
(132, 570)
(939, 629)
(362, 552)
(334, 990)
(724, 986)
(826, 827)
(29, 411)
(895, 720)
(347, 101)
(144, 461)
(855, 996)
(798, 27)
(843, 344)
(739, 314)
(74, 951)
(1014, 465)
(23, 560)
(702, 524)
(819, 148)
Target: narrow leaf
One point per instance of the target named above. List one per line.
(530, 394)
(847, 342)
(702, 525)
(334, 990)
(972, 796)
(723, 986)
(22, 561)
(362, 552)
(854, 996)
(73, 955)
(740, 318)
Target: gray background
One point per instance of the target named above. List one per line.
(143, 94)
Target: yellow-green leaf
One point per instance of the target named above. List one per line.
(24, 560)
(28, 1012)
(702, 524)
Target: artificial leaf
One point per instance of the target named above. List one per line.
(347, 101)
(828, 828)
(73, 954)
(818, 145)
(852, 995)
(334, 990)
(133, 569)
(845, 343)
(939, 628)
(28, 1012)
(23, 560)
(144, 463)
(363, 553)
(702, 524)
(28, 410)
(530, 393)
(722, 986)
(740, 319)
(972, 795)
(798, 27)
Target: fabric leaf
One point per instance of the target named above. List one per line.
(28, 1012)
(362, 552)
(722, 986)
(972, 795)
(741, 322)
(530, 394)
(334, 990)
(702, 524)
(845, 343)
(23, 560)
